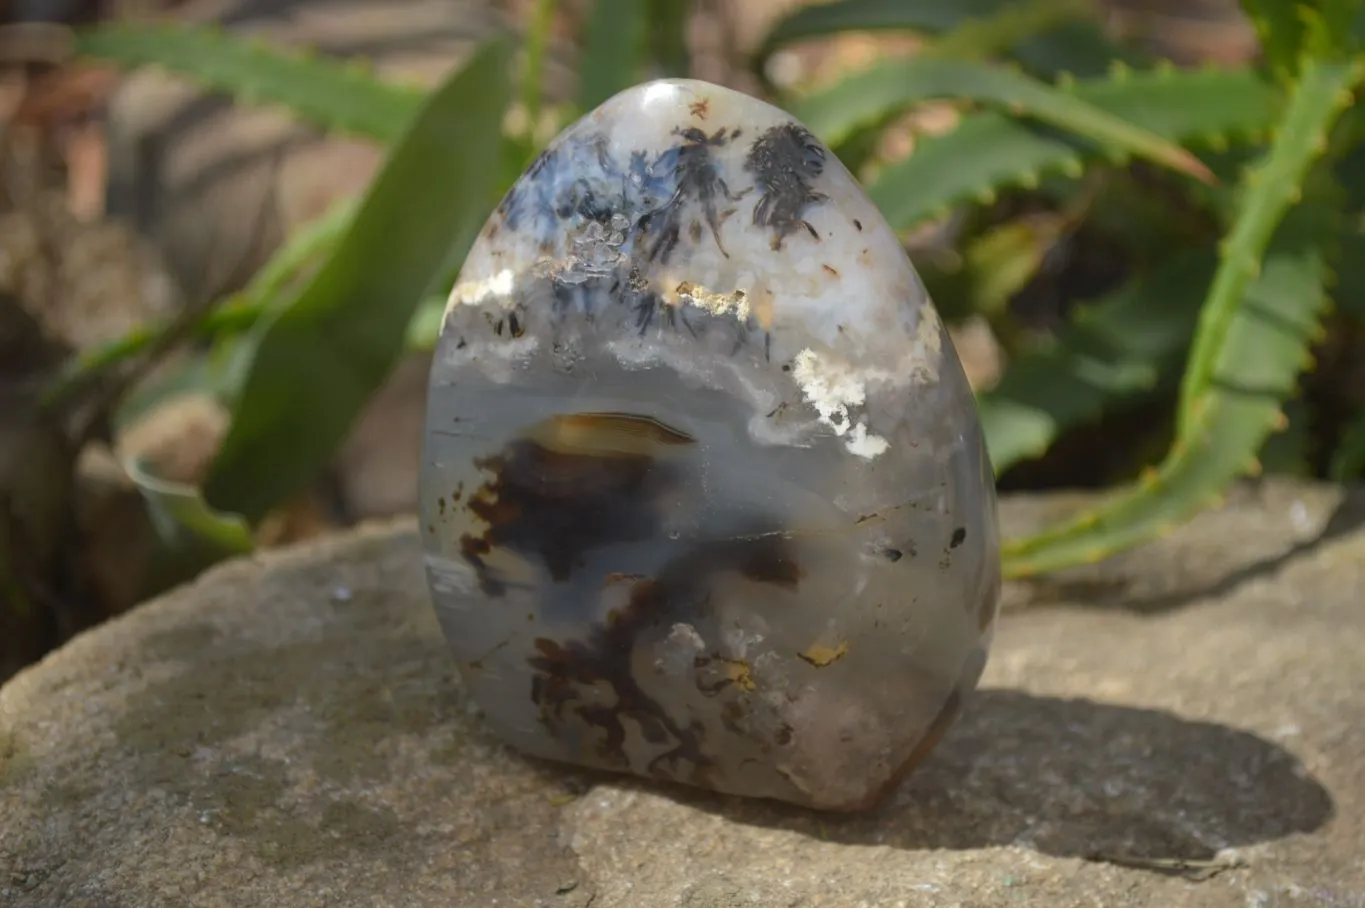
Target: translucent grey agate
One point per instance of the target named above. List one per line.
(704, 497)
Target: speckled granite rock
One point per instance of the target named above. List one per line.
(290, 731)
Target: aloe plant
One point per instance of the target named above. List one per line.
(337, 96)
(1233, 271)
(991, 151)
(888, 88)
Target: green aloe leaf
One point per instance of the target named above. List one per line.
(613, 50)
(183, 519)
(1349, 291)
(1112, 352)
(820, 19)
(667, 20)
(242, 310)
(1289, 449)
(1011, 24)
(337, 96)
(1069, 45)
(1280, 30)
(1049, 38)
(1261, 315)
(425, 328)
(1257, 371)
(1348, 460)
(1321, 93)
(887, 88)
(1002, 260)
(1332, 29)
(537, 44)
(1290, 30)
(990, 151)
(189, 535)
(1077, 48)
(318, 361)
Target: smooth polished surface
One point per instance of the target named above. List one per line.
(704, 496)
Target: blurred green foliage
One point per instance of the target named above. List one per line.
(1234, 196)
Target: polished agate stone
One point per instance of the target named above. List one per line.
(704, 495)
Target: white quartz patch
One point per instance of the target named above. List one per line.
(471, 293)
(834, 388)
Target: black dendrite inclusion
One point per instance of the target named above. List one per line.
(696, 180)
(669, 200)
(785, 161)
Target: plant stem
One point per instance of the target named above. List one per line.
(233, 315)
(537, 41)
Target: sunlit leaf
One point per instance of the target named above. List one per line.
(887, 88)
(183, 518)
(1113, 350)
(318, 362)
(337, 96)
(1261, 313)
(991, 150)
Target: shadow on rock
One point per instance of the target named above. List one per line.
(1347, 518)
(1075, 778)
(1110, 585)
(300, 755)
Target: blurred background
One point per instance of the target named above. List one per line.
(177, 178)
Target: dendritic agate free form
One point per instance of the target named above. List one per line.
(704, 496)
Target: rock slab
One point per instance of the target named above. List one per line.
(1181, 726)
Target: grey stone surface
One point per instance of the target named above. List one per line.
(290, 731)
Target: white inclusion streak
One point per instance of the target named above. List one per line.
(473, 292)
(832, 388)
(865, 444)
